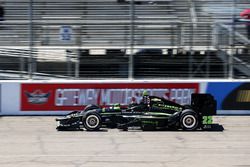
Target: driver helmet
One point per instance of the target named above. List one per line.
(117, 106)
(145, 93)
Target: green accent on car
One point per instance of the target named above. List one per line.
(111, 113)
(207, 120)
(157, 114)
(167, 107)
(155, 99)
(150, 122)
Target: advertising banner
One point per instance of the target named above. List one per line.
(230, 95)
(67, 97)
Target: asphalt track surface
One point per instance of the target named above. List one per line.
(34, 142)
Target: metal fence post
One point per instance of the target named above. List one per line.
(232, 40)
(69, 67)
(77, 64)
(190, 57)
(131, 56)
(30, 60)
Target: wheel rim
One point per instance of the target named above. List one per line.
(92, 121)
(189, 121)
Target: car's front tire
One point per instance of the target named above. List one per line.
(189, 120)
(92, 122)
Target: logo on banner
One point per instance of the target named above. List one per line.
(37, 97)
(238, 98)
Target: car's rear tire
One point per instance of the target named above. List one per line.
(92, 122)
(189, 120)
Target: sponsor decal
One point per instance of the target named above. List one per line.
(168, 107)
(151, 122)
(67, 97)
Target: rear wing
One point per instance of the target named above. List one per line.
(204, 104)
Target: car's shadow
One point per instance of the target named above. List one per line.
(81, 130)
(214, 128)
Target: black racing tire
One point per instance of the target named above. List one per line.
(91, 107)
(92, 122)
(189, 120)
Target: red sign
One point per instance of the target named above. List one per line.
(67, 97)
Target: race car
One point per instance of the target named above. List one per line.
(151, 114)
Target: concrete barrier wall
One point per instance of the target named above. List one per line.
(60, 97)
(10, 98)
(0, 99)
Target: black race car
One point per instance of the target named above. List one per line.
(151, 114)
